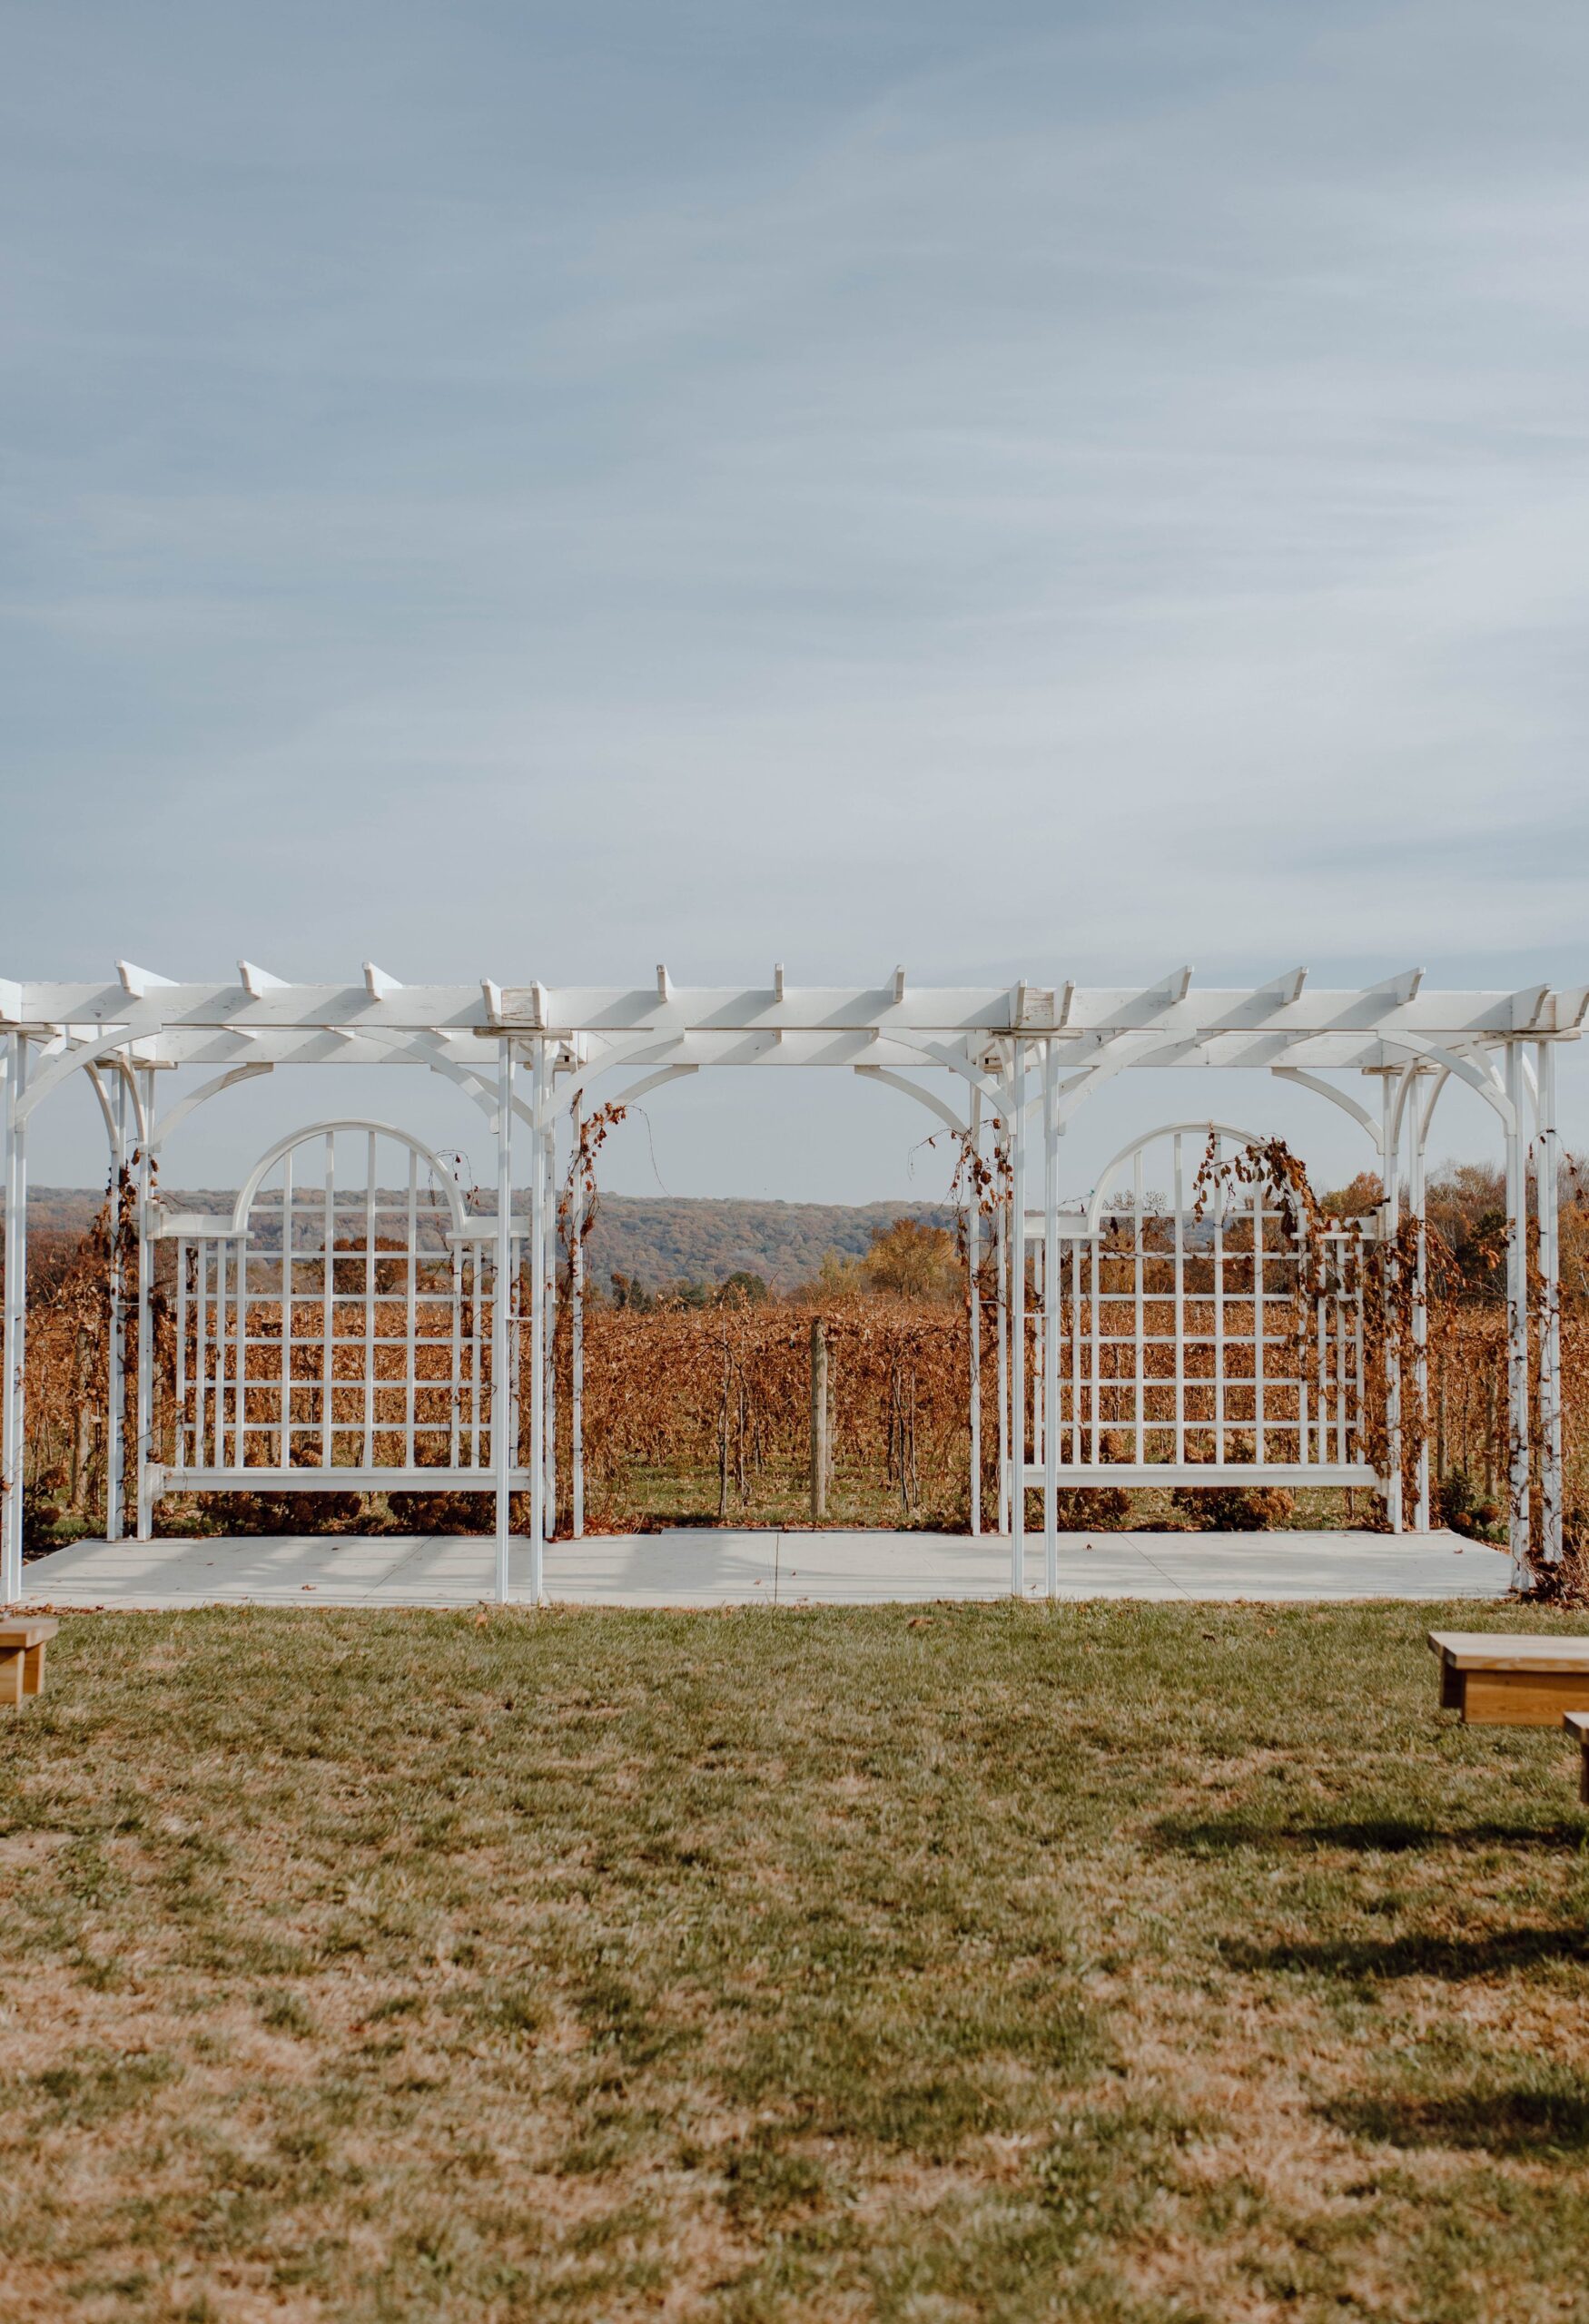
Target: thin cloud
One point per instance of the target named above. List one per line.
(1064, 489)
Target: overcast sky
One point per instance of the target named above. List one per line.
(1049, 490)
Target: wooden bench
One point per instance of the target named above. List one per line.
(1576, 1723)
(1496, 1681)
(22, 1657)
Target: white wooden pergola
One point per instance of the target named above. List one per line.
(366, 1263)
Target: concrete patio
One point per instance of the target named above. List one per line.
(727, 1568)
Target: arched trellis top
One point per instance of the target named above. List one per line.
(1099, 1199)
(355, 1347)
(317, 1133)
(1021, 1058)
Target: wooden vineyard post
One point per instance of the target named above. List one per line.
(723, 1431)
(818, 1421)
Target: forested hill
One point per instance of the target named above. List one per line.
(658, 1239)
(663, 1239)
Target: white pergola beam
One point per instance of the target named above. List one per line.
(147, 1007)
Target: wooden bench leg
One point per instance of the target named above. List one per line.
(11, 1674)
(1452, 1689)
(33, 1669)
(1583, 1771)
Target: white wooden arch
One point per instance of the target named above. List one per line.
(1148, 1138)
(356, 1346)
(440, 1175)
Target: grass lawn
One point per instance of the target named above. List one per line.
(1124, 1961)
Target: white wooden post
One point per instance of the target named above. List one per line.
(1002, 1329)
(1037, 1351)
(1050, 1319)
(502, 1431)
(1417, 1206)
(576, 1335)
(1018, 1323)
(548, 1258)
(1517, 1464)
(15, 1400)
(142, 1451)
(537, 1317)
(1390, 1219)
(1548, 1180)
(973, 1259)
(116, 1454)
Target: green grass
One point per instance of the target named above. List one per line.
(1117, 1961)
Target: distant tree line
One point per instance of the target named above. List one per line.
(909, 1259)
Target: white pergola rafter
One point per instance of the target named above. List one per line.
(1026, 1055)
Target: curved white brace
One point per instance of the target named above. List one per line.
(1406, 1082)
(1531, 1083)
(190, 1105)
(1359, 1114)
(990, 1085)
(471, 1082)
(105, 1107)
(1115, 1058)
(611, 1060)
(1441, 1078)
(1165, 1129)
(422, 1049)
(559, 1099)
(1463, 1068)
(945, 1112)
(294, 1138)
(1073, 1081)
(124, 1067)
(481, 1091)
(638, 1089)
(72, 1062)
